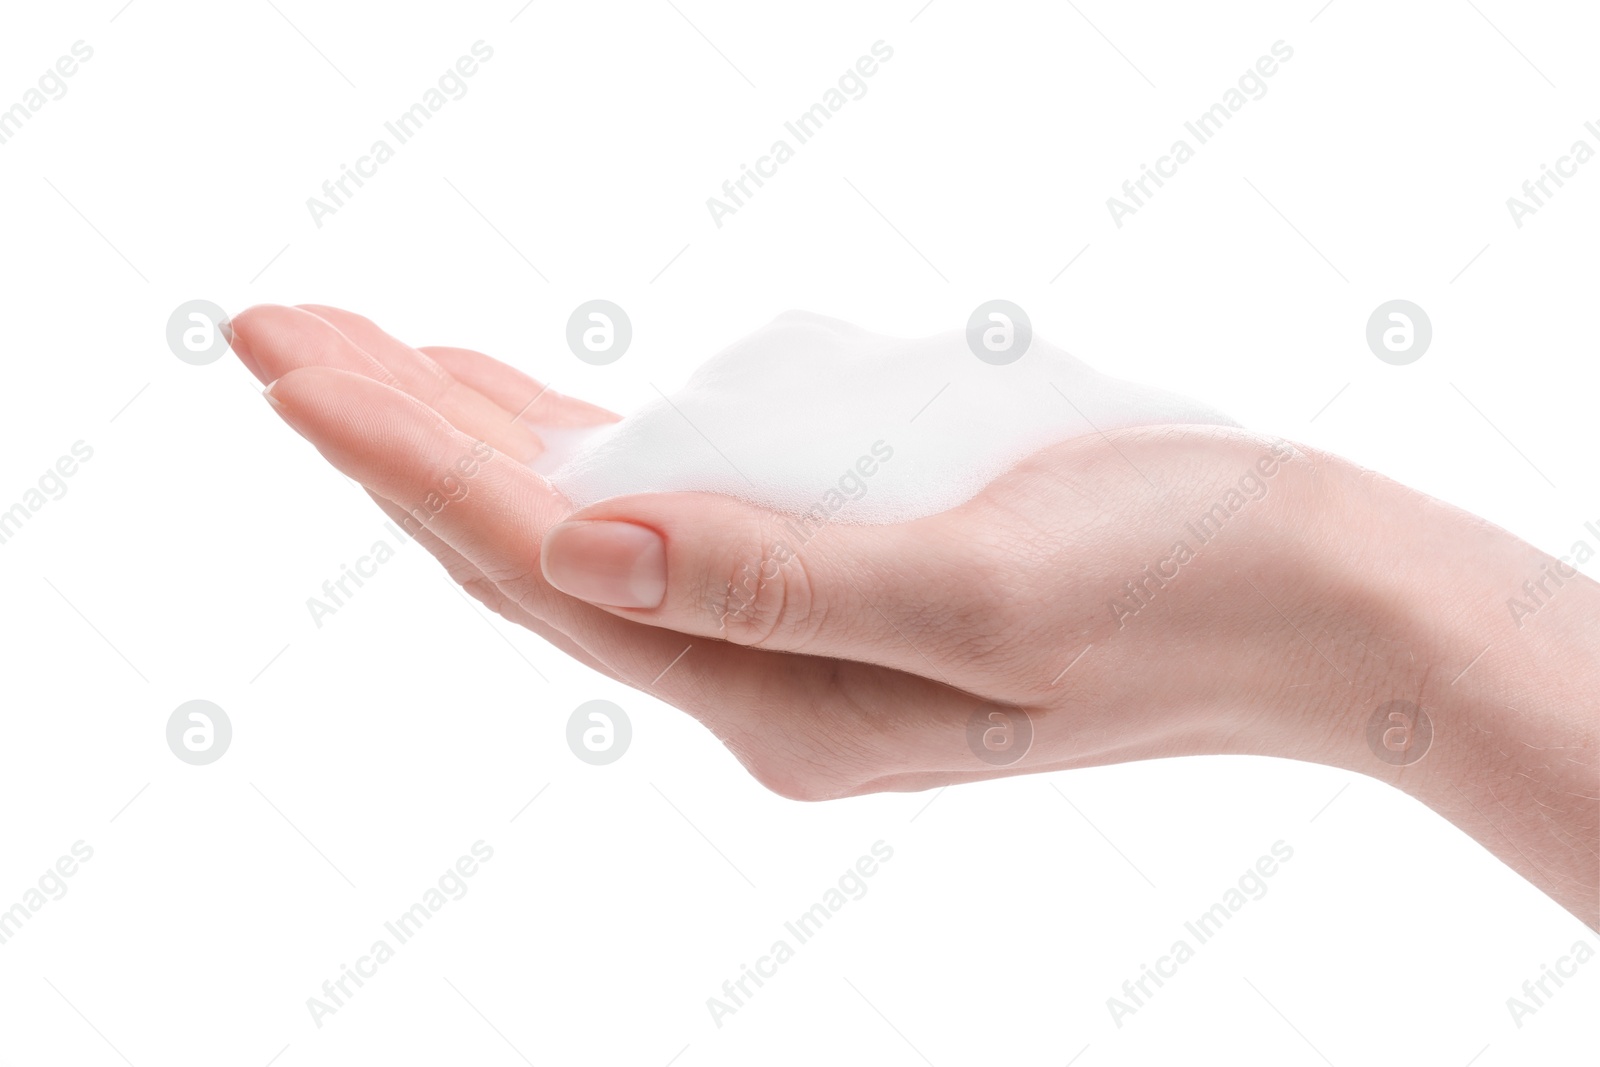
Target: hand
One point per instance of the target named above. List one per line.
(1156, 592)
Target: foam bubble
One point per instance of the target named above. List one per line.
(812, 412)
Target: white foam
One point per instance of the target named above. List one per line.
(794, 416)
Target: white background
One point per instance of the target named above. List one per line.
(370, 753)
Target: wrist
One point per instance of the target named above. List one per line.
(1462, 666)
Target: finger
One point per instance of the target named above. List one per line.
(274, 340)
(805, 726)
(909, 596)
(489, 510)
(467, 407)
(271, 340)
(517, 392)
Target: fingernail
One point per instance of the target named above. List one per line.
(617, 564)
(225, 327)
(267, 392)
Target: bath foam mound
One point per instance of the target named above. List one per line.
(813, 413)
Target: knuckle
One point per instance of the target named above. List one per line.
(765, 598)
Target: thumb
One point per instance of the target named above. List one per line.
(713, 566)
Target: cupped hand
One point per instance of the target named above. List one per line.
(1109, 598)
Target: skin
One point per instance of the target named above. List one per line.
(853, 662)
